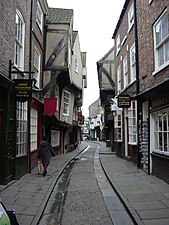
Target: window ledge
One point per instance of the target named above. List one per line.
(160, 154)
(160, 68)
(132, 143)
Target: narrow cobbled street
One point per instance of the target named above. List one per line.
(88, 196)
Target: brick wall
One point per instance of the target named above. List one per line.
(147, 14)
(7, 40)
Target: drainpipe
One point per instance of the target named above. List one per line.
(137, 77)
(29, 108)
(44, 49)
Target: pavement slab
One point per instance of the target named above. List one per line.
(145, 196)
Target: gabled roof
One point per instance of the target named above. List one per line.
(120, 18)
(59, 15)
(104, 58)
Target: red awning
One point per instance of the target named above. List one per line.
(80, 116)
(50, 106)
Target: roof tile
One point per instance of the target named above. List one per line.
(59, 15)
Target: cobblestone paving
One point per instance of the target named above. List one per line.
(84, 204)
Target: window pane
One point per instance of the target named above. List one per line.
(166, 47)
(158, 33)
(160, 56)
(160, 123)
(160, 141)
(165, 122)
(165, 141)
(156, 141)
(164, 22)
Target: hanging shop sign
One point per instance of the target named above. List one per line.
(23, 89)
(124, 101)
(50, 105)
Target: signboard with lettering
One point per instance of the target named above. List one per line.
(23, 89)
(124, 101)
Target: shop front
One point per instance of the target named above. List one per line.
(154, 142)
(7, 130)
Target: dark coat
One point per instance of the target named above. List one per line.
(45, 152)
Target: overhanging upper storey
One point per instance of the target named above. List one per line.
(106, 75)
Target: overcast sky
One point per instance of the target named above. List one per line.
(95, 21)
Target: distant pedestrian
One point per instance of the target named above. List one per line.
(45, 153)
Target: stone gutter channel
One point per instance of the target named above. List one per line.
(45, 201)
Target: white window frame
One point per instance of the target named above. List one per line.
(160, 45)
(33, 130)
(39, 16)
(55, 138)
(130, 17)
(119, 79)
(19, 40)
(66, 103)
(160, 140)
(37, 64)
(133, 63)
(118, 134)
(22, 123)
(118, 44)
(125, 72)
(76, 65)
(132, 122)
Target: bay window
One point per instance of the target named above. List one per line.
(161, 132)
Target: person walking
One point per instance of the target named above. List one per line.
(45, 153)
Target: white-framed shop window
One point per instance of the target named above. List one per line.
(37, 60)
(125, 72)
(132, 122)
(22, 123)
(19, 40)
(161, 132)
(161, 42)
(55, 138)
(133, 63)
(118, 126)
(33, 130)
(66, 102)
(39, 16)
